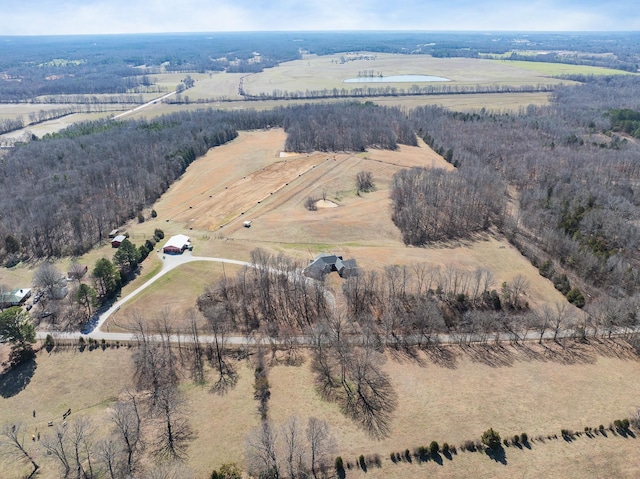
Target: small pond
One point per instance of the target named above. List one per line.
(397, 79)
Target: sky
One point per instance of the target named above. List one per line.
(63, 17)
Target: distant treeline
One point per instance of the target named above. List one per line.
(12, 124)
(603, 61)
(413, 90)
(32, 67)
(64, 193)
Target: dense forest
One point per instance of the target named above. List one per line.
(574, 181)
(35, 68)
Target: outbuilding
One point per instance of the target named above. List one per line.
(117, 241)
(176, 244)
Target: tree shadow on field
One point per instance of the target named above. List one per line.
(407, 354)
(227, 381)
(498, 455)
(494, 355)
(17, 378)
(571, 352)
(441, 356)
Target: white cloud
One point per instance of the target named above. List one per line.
(141, 16)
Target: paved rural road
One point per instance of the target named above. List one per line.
(145, 105)
(170, 262)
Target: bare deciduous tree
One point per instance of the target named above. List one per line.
(293, 436)
(12, 445)
(80, 436)
(126, 417)
(55, 444)
(262, 459)
(110, 455)
(321, 445)
(47, 277)
(174, 430)
(364, 182)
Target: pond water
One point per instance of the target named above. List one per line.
(397, 79)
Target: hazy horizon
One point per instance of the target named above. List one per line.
(75, 17)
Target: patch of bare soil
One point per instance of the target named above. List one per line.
(325, 204)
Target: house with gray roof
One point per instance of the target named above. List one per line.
(325, 263)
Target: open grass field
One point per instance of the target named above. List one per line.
(535, 390)
(320, 72)
(177, 292)
(510, 390)
(497, 102)
(554, 69)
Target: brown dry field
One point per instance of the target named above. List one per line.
(360, 227)
(86, 382)
(176, 292)
(499, 103)
(529, 393)
(511, 390)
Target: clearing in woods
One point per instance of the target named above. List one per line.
(249, 179)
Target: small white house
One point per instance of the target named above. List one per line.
(16, 297)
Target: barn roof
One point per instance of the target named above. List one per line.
(177, 241)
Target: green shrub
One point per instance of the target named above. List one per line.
(524, 438)
(49, 343)
(339, 466)
(575, 297)
(362, 462)
(445, 448)
(491, 439)
(546, 269)
(434, 448)
(561, 283)
(516, 439)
